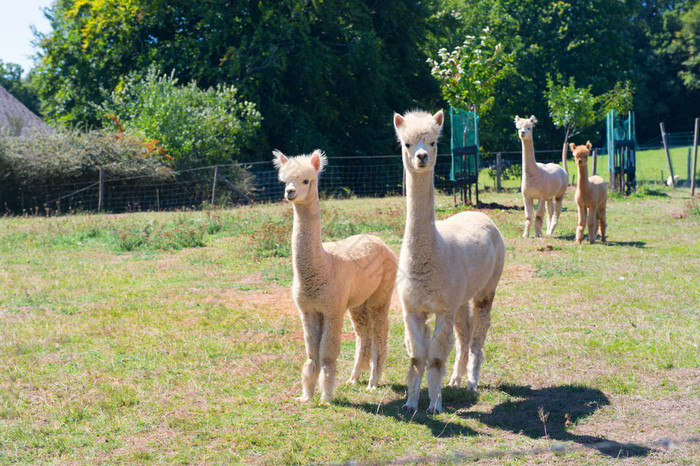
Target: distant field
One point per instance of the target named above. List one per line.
(652, 167)
(172, 338)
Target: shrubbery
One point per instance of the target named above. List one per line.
(195, 127)
(32, 165)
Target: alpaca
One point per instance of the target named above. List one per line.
(357, 273)
(545, 182)
(449, 268)
(591, 197)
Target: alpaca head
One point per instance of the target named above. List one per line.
(581, 152)
(300, 175)
(524, 126)
(418, 132)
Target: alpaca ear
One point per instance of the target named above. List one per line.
(533, 120)
(517, 119)
(589, 146)
(572, 146)
(398, 120)
(439, 118)
(279, 160)
(318, 160)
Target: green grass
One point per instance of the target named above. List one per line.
(172, 338)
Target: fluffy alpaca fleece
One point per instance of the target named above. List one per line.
(545, 182)
(449, 268)
(357, 273)
(591, 197)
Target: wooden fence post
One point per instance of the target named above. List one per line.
(213, 186)
(100, 191)
(668, 156)
(695, 158)
(595, 161)
(498, 172)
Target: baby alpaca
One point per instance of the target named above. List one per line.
(449, 268)
(357, 273)
(591, 196)
(545, 182)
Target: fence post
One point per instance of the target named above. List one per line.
(498, 172)
(695, 158)
(213, 186)
(668, 156)
(100, 191)
(595, 162)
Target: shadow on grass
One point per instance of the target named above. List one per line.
(584, 242)
(529, 412)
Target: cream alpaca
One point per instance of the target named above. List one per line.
(446, 268)
(547, 183)
(357, 273)
(591, 197)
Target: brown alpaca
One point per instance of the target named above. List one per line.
(591, 197)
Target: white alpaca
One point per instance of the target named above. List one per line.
(357, 273)
(448, 268)
(545, 182)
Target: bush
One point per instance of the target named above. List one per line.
(195, 127)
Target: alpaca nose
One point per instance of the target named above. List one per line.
(290, 194)
(422, 155)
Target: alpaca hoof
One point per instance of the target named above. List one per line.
(303, 399)
(372, 387)
(471, 386)
(433, 410)
(454, 382)
(409, 409)
(351, 381)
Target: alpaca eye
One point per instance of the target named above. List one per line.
(306, 181)
(408, 146)
(432, 144)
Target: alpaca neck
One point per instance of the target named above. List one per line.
(583, 185)
(420, 211)
(308, 255)
(529, 164)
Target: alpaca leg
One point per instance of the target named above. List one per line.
(592, 224)
(462, 346)
(328, 354)
(582, 215)
(480, 323)
(440, 347)
(363, 343)
(417, 340)
(549, 207)
(312, 323)
(529, 209)
(557, 213)
(538, 217)
(602, 222)
(380, 339)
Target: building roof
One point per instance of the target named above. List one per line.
(16, 118)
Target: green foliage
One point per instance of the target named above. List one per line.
(195, 127)
(469, 73)
(11, 79)
(71, 156)
(154, 235)
(571, 107)
(620, 99)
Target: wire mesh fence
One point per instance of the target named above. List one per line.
(237, 184)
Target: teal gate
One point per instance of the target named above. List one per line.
(621, 145)
(464, 146)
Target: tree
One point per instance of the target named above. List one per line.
(468, 74)
(11, 79)
(571, 108)
(323, 74)
(195, 127)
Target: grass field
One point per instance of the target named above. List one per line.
(652, 167)
(172, 338)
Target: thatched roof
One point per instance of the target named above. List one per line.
(17, 119)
